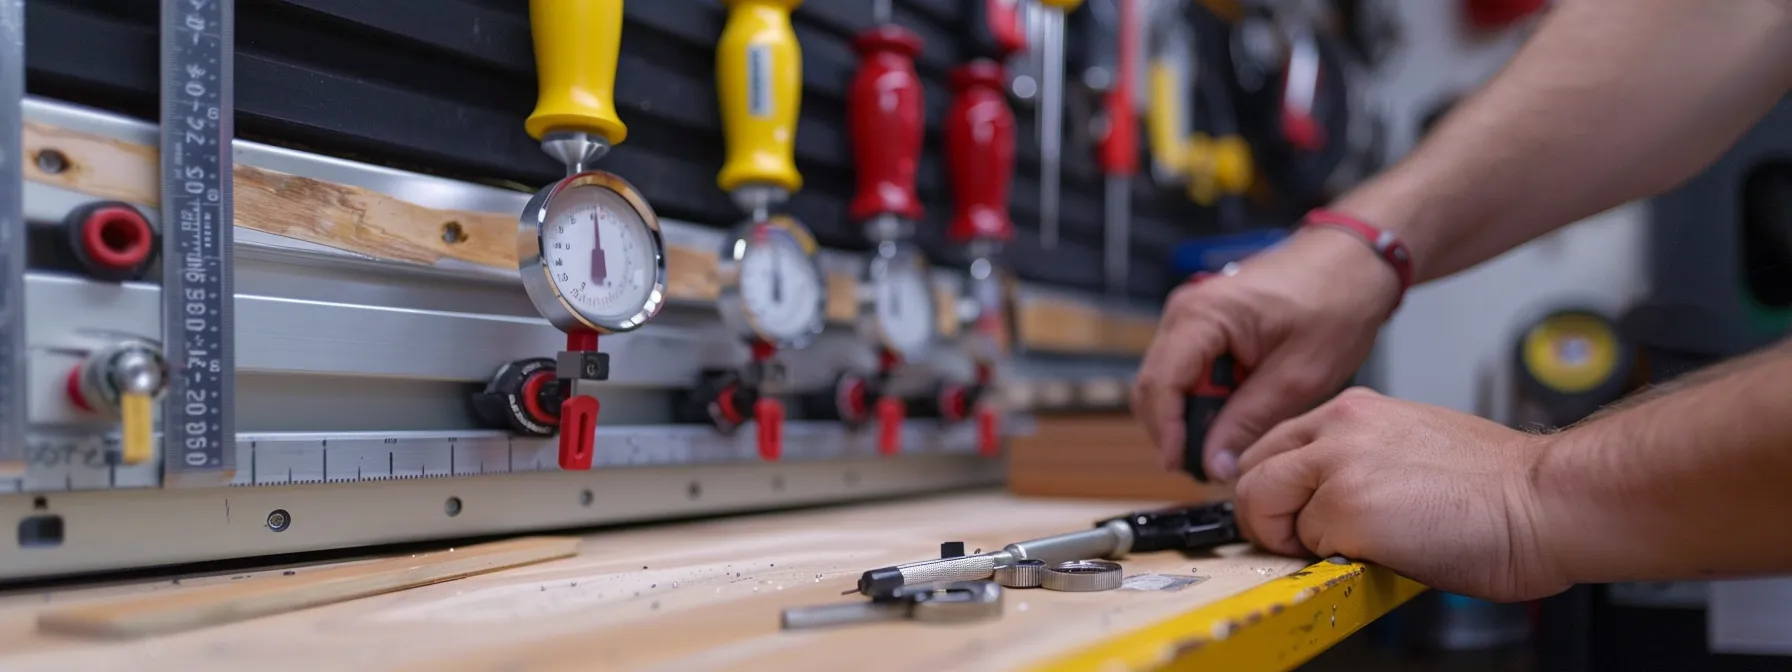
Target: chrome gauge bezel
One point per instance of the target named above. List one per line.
(895, 258)
(531, 249)
(745, 238)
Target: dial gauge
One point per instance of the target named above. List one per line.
(773, 288)
(592, 257)
(902, 312)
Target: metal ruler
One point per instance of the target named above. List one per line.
(198, 48)
(12, 240)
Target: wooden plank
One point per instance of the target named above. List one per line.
(368, 222)
(702, 595)
(217, 605)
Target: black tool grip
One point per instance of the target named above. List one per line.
(1202, 406)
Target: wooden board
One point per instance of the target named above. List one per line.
(368, 222)
(1104, 455)
(193, 608)
(696, 596)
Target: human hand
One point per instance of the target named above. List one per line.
(1301, 317)
(1442, 497)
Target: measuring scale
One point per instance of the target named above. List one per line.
(591, 255)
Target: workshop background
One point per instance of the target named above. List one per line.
(1541, 336)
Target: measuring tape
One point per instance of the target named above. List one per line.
(198, 48)
(12, 240)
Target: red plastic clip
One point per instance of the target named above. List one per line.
(770, 414)
(890, 412)
(578, 432)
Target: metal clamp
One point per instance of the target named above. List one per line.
(1082, 576)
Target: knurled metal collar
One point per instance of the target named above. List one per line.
(1021, 574)
(1082, 576)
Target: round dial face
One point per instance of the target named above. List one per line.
(781, 289)
(903, 306)
(601, 258)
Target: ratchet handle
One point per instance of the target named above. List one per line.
(979, 153)
(759, 76)
(576, 47)
(886, 121)
(1120, 146)
(995, 30)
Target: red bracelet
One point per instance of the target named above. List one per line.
(1385, 244)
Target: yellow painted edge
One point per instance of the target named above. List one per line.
(1275, 626)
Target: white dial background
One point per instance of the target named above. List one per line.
(780, 288)
(600, 256)
(904, 308)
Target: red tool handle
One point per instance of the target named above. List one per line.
(886, 120)
(988, 433)
(980, 153)
(1120, 148)
(578, 432)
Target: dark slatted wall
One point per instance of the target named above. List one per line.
(443, 86)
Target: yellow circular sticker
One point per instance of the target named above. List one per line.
(1571, 353)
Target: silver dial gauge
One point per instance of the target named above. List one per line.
(902, 305)
(600, 264)
(773, 289)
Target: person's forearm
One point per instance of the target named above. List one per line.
(1610, 101)
(1693, 483)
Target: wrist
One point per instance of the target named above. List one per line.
(1576, 523)
(1385, 247)
(1392, 208)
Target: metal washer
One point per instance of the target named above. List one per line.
(1082, 576)
(1021, 574)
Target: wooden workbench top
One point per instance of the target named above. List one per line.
(692, 596)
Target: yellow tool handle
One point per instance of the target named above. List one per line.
(1199, 159)
(1165, 118)
(136, 407)
(759, 80)
(1065, 6)
(576, 45)
(1232, 169)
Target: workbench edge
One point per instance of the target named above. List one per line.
(1274, 626)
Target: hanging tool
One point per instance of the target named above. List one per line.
(1051, 116)
(887, 120)
(12, 240)
(1180, 528)
(1170, 81)
(773, 296)
(759, 82)
(1120, 145)
(980, 162)
(589, 247)
(953, 602)
(198, 301)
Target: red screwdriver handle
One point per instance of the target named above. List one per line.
(1120, 147)
(886, 121)
(979, 153)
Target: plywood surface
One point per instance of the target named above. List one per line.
(704, 595)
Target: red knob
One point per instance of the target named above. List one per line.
(890, 412)
(980, 153)
(988, 440)
(578, 432)
(886, 121)
(770, 415)
(1004, 24)
(1120, 147)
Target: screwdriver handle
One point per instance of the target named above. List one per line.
(1166, 117)
(759, 78)
(1204, 402)
(886, 122)
(994, 29)
(1120, 147)
(576, 46)
(979, 153)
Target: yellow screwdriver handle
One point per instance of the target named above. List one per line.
(1232, 170)
(1165, 118)
(576, 45)
(759, 80)
(1200, 158)
(135, 407)
(1065, 6)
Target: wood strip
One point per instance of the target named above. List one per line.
(375, 224)
(216, 605)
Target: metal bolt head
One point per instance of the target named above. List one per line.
(52, 162)
(279, 520)
(452, 507)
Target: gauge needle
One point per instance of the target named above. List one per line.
(598, 271)
(778, 283)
